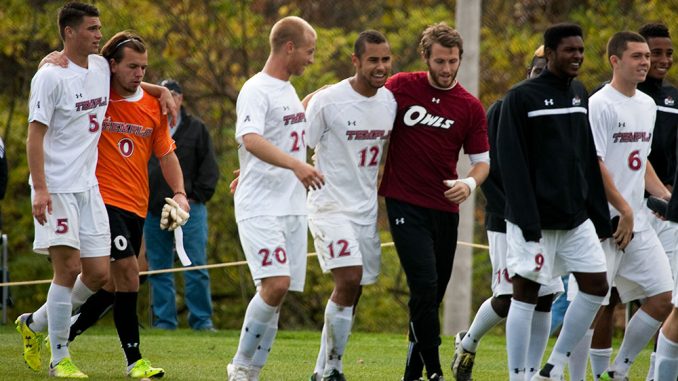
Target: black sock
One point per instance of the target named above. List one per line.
(91, 311)
(127, 324)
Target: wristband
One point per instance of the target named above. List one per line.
(470, 182)
(180, 192)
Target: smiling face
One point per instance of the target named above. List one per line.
(568, 57)
(443, 64)
(373, 67)
(301, 55)
(661, 56)
(129, 72)
(634, 64)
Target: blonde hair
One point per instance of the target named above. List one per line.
(290, 28)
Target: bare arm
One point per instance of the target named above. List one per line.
(624, 231)
(171, 171)
(654, 185)
(42, 202)
(268, 152)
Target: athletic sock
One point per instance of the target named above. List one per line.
(539, 337)
(338, 320)
(38, 320)
(666, 362)
(639, 332)
(80, 293)
(486, 318)
(600, 361)
(58, 315)
(518, 332)
(91, 311)
(257, 318)
(576, 322)
(266, 344)
(127, 324)
(320, 361)
(650, 369)
(580, 356)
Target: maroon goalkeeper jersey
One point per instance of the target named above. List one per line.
(430, 129)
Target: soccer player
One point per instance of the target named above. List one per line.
(66, 110)
(495, 309)
(555, 202)
(348, 124)
(436, 117)
(663, 155)
(270, 197)
(622, 120)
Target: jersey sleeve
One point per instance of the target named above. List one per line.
(476, 138)
(600, 120)
(251, 112)
(163, 143)
(42, 101)
(315, 117)
(521, 203)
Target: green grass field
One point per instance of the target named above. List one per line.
(189, 355)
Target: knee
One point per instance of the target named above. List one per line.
(501, 305)
(659, 306)
(274, 289)
(594, 284)
(95, 278)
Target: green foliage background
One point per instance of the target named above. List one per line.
(213, 46)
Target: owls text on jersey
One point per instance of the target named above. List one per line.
(269, 107)
(622, 129)
(348, 131)
(72, 103)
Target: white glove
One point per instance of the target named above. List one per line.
(172, 216)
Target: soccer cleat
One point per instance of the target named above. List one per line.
(334, 375)
(143, 369)
(436, 377)
(315, 377)
(545, 374)
(65, 369)
(611, 375)
(462, 362)
(32, 342)
(237, 372)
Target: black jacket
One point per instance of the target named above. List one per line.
(492, 187)
(547, 158)
(663, 154)
(198, 163)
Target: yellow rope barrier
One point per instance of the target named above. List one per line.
(208, 267)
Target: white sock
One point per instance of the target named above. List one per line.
(600, 361)
(257, 318)
(338, 320)
(80, 293)
(58, 320)
(576, 322)
(264, 347)
(39, 323)
(639, 332)
(666, 363)
(486, 318)
(518, 329)
(650, 370)
(320, 361)
(541, 327)
(579, 357)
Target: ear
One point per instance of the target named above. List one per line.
(614, 60)
(289, 47)
(355, 60)
(113, 65)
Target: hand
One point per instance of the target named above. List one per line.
(167, 104)
(234, 183)
(42, 202)
(173, 215)
(624, 232)
(55, 58)
(182, 202)
(309, 175)
(458, 192)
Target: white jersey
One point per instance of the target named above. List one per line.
(622, 130)
(71, 102)
(269, 107)
(348, 131)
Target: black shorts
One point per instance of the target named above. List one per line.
(126, 231)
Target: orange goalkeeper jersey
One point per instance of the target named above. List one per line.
(134, 128)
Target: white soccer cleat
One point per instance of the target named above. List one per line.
(238, 372)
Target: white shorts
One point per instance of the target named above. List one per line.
(501, 282)
(564, 251)
(340, 242)
(668, 235)
(78, 220)
(640, 271)
(275, 246)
